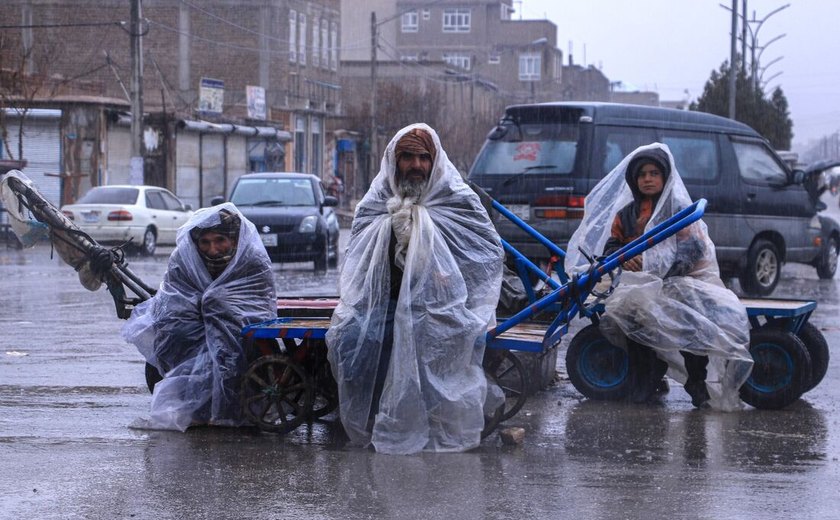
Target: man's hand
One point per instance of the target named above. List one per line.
(634, 264)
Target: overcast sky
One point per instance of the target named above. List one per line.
(672, 45)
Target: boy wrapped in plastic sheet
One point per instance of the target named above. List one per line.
(671, 298)
(219, 279)
(419, 286)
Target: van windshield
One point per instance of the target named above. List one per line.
(528, 148)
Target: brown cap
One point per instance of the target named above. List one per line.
(416, 141)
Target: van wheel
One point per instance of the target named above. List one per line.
(764, 268)
(827, 265)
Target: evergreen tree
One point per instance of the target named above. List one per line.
(769, 118)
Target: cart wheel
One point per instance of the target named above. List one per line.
(506, 370)
(781, 370)
(817, 347)
(597, 368)
(276, 394)
(312, 355)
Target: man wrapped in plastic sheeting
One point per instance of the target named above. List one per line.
(219, 279)
(671, 297)
(419, 287)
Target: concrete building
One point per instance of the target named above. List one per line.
(252, 82)
(476, 37)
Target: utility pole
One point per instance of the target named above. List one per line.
(733, 53)
(373, 152)
(136, 166)
(744, 38)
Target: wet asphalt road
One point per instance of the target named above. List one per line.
(69, 388)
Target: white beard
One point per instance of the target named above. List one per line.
(400, 209)
(411, 189)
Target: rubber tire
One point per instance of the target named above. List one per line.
(782, 369)
(597, 368)
(153, 377)
(827, 265)
(149, 245)
(322, 260)
(818, 351)
(766, 253)
(817, 347)
(332, 262)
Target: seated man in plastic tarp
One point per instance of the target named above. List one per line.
(419, 286)
(219, 279)
(671, 297)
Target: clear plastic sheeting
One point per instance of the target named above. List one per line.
(28, 230)
(435, 390)
(678, 302)
(190, 329)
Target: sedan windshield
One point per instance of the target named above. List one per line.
(109, 195)
(273, 192)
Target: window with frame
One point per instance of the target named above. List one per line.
(696, 157)
(757, 165)
(410, 22)
(456, 20)
(325, 44)
(494, 58)
(154, 200)
(620, 141)
(427, 14)
(530, 64)
(334, 47)
(408, 57)
(506, 11)
(316, 42)
(302, 38)
(172, 202)
(457, 60)
(292, 35)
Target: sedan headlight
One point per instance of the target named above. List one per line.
(308, 224)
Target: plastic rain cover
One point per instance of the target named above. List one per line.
(695, 313)
(190, 329)
(28, 230)
(435, 386)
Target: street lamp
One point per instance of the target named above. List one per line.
(764, 68)
(754, 60)
(754, 40)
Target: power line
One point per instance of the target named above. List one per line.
(61, 25)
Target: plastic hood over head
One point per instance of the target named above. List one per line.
(435, 388)
(190, 329)
(678, 302)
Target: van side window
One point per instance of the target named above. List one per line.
(757, 165)
(620, 141)
(695, 156)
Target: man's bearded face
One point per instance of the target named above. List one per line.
(413, 170)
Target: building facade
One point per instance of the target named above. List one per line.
(264, 72)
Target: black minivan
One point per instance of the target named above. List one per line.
(542, 159)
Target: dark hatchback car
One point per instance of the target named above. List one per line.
(295, 219)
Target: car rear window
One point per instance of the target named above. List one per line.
(273, 192)
(529, 148)
(107, 195)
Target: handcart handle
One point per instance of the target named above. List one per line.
(585, 281)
